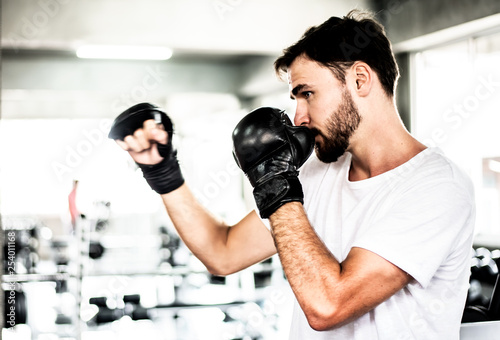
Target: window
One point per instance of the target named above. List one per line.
(456, 104)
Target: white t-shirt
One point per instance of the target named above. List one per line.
(420, 217)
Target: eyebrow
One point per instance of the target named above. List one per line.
(296, 90)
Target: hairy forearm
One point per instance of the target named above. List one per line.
(298, 244)
(311, 269)
(330, 293)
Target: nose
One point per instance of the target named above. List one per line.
(301, 115)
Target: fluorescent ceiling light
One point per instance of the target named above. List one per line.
(124, 52)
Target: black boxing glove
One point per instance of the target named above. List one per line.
(165, 176)
(270, 150)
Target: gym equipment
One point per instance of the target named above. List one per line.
(170, 243)
(15, 308)
(131, 307)
(96, 250)
(20, 248)
(104, 314)
(484, 272)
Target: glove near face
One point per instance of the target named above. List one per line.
(270, 150)
(165, 176)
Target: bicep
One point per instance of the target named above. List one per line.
(249, 242)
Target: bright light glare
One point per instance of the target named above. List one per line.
(124, 52)
(494, 165)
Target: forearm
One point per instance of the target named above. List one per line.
(203, 233)
(312, 271)
(330, 293)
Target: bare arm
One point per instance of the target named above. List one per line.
(223, 249)
(330, 293)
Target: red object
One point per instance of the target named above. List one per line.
(73, 210)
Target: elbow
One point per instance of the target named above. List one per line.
(324, 316)
(220, 269)
(216, 264)
(321, 325)
(215, 271)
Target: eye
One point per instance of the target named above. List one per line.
(306, 94)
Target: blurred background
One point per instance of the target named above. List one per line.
(89, 251)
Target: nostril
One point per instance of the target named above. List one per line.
(301, 120)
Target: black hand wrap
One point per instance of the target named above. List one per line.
(165, 176)
(270, 150)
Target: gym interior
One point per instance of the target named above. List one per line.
(89, 250)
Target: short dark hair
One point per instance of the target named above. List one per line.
(339, 42)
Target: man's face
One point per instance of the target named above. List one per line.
(325, 106)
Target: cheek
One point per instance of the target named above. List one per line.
(328, 101)
(320, 111)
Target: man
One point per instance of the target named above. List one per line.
(378, 245)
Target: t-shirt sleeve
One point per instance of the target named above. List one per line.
(422, 227)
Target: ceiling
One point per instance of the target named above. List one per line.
(219, 46)
(189, 27)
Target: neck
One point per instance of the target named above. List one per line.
(380, 144)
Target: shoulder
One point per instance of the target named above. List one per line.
(434, 167)
(432, 182)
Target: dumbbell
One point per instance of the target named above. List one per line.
(494, 307)
(133, 307)
(105, 314)
(96, 250)
(481, 313)
(483, 267)
(15, 308)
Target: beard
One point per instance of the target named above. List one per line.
(340, 126)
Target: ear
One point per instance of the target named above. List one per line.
(363, 78)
